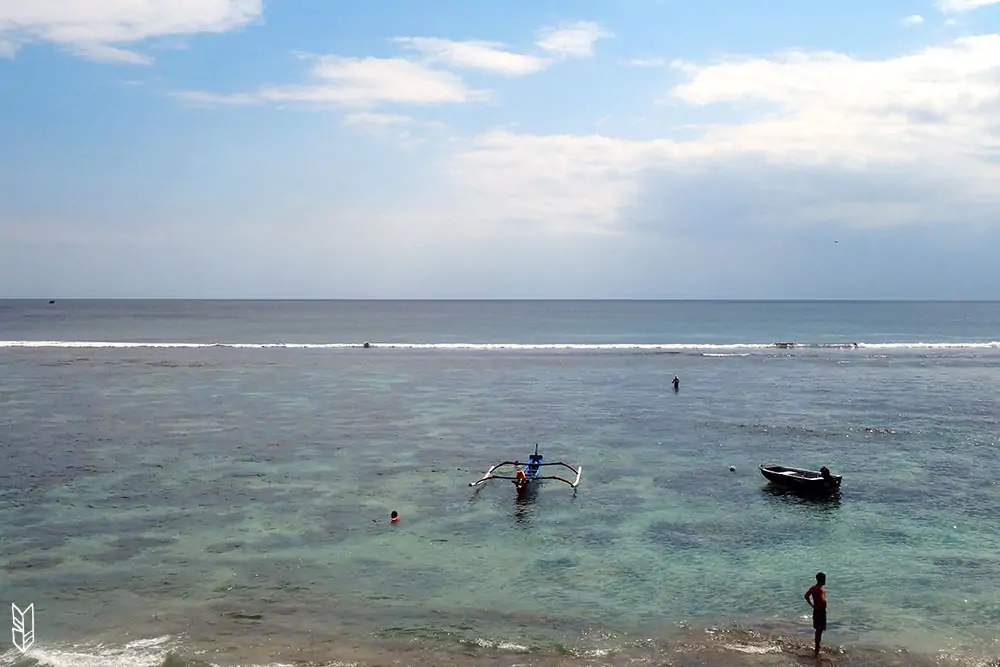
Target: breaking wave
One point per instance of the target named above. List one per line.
(153, 652)
(707, 349)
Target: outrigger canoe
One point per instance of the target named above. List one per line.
(799, 479)
(528, 475)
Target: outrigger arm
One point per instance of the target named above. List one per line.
(489, 473)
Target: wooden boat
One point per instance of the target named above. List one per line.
(799, 479)
(527, 476)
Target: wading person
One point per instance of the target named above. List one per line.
(816, 597)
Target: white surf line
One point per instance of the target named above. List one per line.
(504, 346)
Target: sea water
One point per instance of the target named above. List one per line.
(195, 483)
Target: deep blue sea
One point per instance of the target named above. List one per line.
(193, 483)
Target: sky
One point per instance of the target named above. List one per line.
(500, 149)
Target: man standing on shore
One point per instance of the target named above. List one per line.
(816, 597)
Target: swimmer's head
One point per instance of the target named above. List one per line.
(394, 514)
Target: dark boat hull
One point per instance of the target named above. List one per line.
(801, 480)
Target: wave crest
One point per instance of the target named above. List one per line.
(708, 349)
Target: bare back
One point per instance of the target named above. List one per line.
(818, 595)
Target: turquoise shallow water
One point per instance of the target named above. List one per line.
(232, 502)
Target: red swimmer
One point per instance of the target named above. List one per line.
(394, 517)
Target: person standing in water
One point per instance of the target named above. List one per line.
(816, 597)
(677, 383)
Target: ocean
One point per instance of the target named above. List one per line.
(193, 483)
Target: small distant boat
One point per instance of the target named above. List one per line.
(799, 479)
(527, 476)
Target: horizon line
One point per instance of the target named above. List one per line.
(517, 299)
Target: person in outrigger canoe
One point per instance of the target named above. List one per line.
(520, 477)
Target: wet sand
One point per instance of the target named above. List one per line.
(734, 647)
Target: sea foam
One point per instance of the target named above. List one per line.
(719, 348)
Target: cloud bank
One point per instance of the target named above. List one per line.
(816, 165)
(810, 120)
(102, 29)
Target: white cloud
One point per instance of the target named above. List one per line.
(370, 81)
(915, 19)
(110, 54)
(948, 85)
(575, 40)
(964, 5)
(832, 106)
(648, 62)
(358, 82)
(489, 56)
(7, 49)
(95, 29)
(563, 183)
(849, 132)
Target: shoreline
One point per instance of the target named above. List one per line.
(709, 646)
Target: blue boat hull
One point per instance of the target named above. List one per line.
(530, 475)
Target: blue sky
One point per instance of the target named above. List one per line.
(509, 149)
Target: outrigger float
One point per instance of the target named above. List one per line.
(528, 475)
